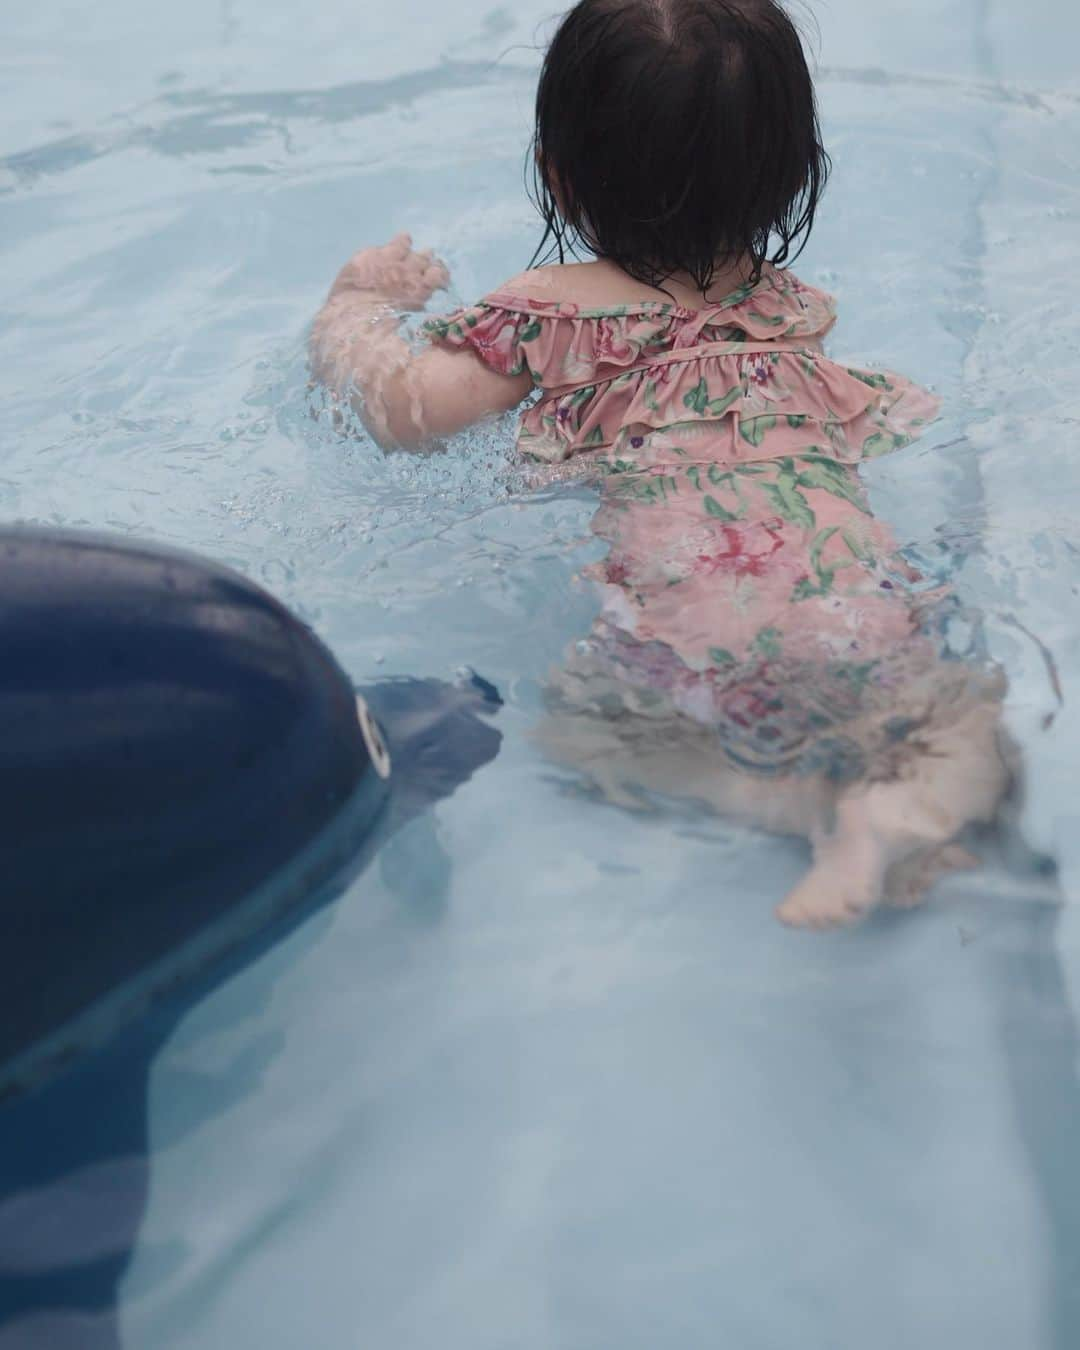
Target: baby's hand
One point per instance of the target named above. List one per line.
(393, 274)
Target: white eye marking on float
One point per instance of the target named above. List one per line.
(373, 739)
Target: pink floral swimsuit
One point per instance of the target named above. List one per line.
(746, 577)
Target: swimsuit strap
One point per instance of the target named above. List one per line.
(681, 355)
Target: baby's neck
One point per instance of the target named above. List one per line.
(727, 280)
(603, 283)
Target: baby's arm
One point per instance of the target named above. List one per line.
(405, 398)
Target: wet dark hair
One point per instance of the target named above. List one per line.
(677, 136)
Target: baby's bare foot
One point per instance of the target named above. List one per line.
(844, 884)
(908, 882)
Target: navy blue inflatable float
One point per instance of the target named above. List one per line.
(180, 759)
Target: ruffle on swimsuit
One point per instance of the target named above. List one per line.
(741, 381)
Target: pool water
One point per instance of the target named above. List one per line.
(547, 1075)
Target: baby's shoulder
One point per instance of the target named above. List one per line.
(587, 285)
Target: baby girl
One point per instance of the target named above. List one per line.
(762, 643)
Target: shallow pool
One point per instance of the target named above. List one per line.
(548, 1076)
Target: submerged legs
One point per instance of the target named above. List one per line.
(892, 840)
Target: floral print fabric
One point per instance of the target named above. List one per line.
(727, 445)
(611, 378)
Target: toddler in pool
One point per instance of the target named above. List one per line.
(762, 644)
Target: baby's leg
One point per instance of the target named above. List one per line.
(908, 882)
(674, 757)
(849, 870)
(899, 830)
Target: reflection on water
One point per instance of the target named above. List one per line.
(205, 122)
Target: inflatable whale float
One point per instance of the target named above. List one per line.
(182, 763)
